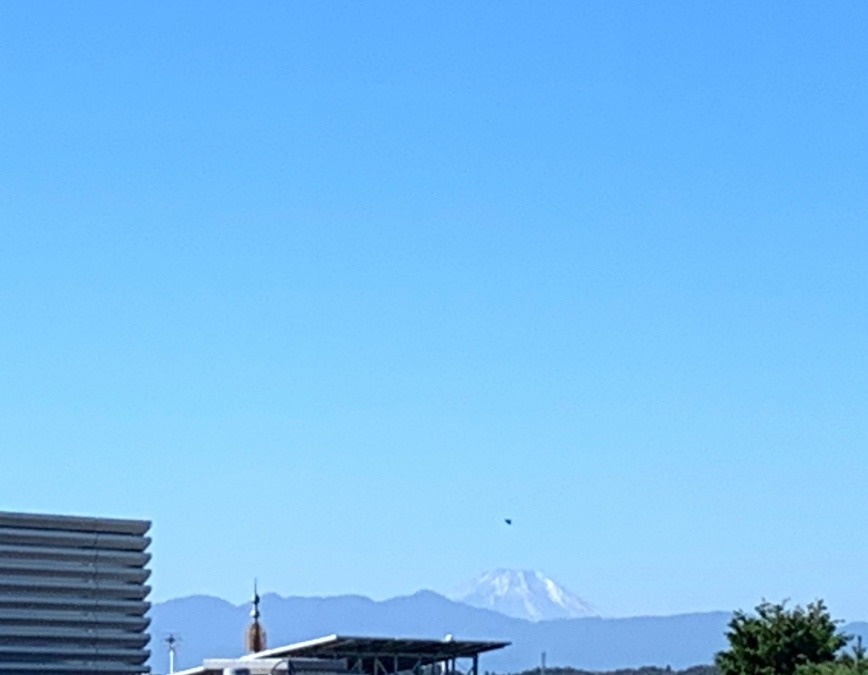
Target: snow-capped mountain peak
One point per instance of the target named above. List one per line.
(522, 594)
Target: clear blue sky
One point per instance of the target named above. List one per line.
(327, 290)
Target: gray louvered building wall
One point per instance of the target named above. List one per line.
(73, 598)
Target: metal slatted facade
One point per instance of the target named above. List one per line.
(73, 598)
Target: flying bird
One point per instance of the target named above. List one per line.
(508, 521)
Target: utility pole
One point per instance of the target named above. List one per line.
(542, 664)
(172, 641)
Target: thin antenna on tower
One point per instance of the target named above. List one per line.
(172, 641)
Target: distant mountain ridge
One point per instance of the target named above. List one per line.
(522, 594)
(211, 627)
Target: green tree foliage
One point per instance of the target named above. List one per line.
(847, 664)
(646, 670)
(832, 668)
(778, 641)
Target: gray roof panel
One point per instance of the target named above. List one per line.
(74, 523)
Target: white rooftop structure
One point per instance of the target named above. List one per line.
(268, 666)
(353, 655)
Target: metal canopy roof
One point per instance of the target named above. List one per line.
(399, 653)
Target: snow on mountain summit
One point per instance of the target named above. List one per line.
(522, 594)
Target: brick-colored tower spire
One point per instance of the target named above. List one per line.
(255, 632)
